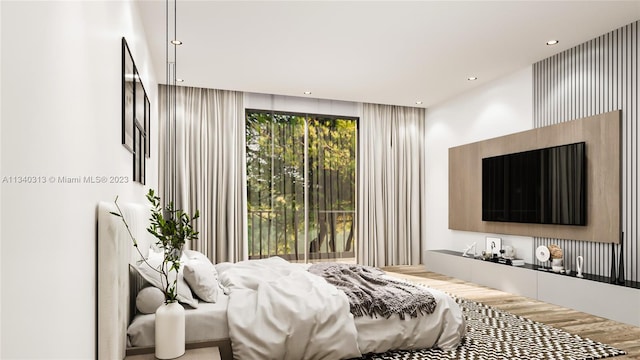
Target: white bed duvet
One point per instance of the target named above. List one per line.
(278, 310)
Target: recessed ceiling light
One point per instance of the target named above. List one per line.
(418, 102)
(180, 80)
(472, 78)
(176, 42)
(307, 92)
(552, 42)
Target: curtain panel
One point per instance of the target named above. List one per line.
(391, 184)
(207, 144)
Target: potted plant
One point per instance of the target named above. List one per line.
(172, 228)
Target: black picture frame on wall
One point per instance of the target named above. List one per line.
(147, 126)
(136, 149)
(140, 102)
(136, 115)
(128, 97)
(139, 154)
(139, 159)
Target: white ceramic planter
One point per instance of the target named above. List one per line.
(170, 331)
(556, 265)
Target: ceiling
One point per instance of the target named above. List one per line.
(385, 52)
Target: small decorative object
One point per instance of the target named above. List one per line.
(555, 251)
(509, 252)
(542, 253)
(172, 228)
(579, 262)
(493, 245)
(517, 262)
(468, 248)
(556, 265)
(556, 255)
(170, 331)
(621, 264)
(613, 264)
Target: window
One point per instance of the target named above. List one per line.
(300, 185)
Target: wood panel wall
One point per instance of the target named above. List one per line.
(601, 133)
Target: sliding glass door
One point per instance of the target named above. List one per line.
(301, 185)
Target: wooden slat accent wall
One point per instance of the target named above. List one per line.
(597, 76)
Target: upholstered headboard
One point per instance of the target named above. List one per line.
(115, 253)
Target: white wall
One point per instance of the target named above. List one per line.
(61, 116)
(494, 109)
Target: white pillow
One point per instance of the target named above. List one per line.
(193, 254)
(201, 276)
(149, 299)
(154, 278)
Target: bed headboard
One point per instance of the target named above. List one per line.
(115, 253)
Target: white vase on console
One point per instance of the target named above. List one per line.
(170, 331)
(556, 265)
(579, 262)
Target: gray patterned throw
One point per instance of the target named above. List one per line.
(372, 295)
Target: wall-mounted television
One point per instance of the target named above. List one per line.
(542, 186)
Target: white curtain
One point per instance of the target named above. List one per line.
(209, 152)
(391, 183)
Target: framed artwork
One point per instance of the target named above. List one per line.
(128, 97)
(140, 101)
(143, 167)
(147, 126)
(136, 115)
(493, 245)
(139, 160)
(136, 160)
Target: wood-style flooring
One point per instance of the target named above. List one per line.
(619, 335)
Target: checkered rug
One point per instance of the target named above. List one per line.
(493, 334)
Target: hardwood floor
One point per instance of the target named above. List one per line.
(621, 336)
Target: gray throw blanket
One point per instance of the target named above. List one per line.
(371, 295)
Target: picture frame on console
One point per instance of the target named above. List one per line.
(493, 245)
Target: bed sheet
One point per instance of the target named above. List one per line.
(207, 322)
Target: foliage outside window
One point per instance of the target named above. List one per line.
(277, 152)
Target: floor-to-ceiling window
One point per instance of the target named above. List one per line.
(301, 185)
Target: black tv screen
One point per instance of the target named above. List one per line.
(542, 186)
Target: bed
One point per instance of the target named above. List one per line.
(265, 309)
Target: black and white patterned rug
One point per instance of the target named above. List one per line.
(493, 334)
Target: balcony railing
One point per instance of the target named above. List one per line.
(331, 235)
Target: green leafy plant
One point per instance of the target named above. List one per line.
(172, 228)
